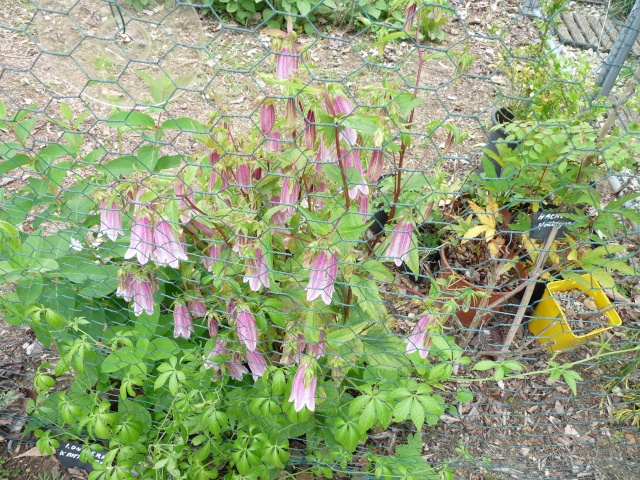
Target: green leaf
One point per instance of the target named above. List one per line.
(185, 124)
(464, 395)
(579, 279)
(77, 269)
(320, 227)
(570, 377)
(362, 123)
(168, 161)
(29, 289)
(50, 153)
(148, 157)
(14, 162)
(122, 359)
(23, 129)
(162, 348)
(346, 432)
(512, 365)
(303, 7)
(433, 407)
(391, 36)
(131, 120)
(120, 166)
(402, 410)
(406, 103)
(377, 270)
(485, 365)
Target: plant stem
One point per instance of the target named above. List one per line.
(343, 172)
(566, 366)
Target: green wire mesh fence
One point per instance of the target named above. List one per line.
(390, 239)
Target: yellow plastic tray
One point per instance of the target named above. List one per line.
(550, 324)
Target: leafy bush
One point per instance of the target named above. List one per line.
(208, 309)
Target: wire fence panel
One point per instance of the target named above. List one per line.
(318, 239)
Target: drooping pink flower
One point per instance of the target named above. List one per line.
(310, 132)
(220, 348)
(324, 271)
(141, 243)
(125, 289)
(213, 254)
(292, 350)
(247, 330)
(110, 219)
(374, 169)
(419, 340)
(409, 15)
(290, 112)
(319, 349)
(167, 250)
(303, 389)
(280, 217)
(243, 177)
(363, 206)
(214, 157)
(197, 307)
(274, 142)
(352, 160)
(257, 364)
(400, 244)
(267, 117)
(143, 287)
(235, 368)
(342, 106)
(182, 321)
(326, 154)
(286, 63)
(289, 195)
(212, 324)
(257, 273)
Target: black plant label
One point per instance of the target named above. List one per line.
(69, 456)
(542, 224)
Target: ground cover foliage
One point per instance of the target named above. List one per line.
(254, 291)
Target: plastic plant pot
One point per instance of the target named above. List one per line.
(501, 116)
(550, 324)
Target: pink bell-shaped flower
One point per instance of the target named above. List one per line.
(324, 271)
(286, 63)
(289, 195)
(142, 242)
(182, 321)
(110, 219)
(257, 272)
(213, 254)
(267, 117)
(167, 250)
(400, 244)
(247, 330)
(257, 364)
(303, 389)
(419, 340)
(143, 287)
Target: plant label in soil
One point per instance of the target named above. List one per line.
(543, 222)
(69, 456)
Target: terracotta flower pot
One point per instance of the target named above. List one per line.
(496, 295)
